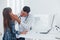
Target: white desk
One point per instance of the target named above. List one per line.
(37, 36)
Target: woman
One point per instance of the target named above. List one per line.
(9, 25)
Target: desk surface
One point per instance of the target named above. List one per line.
(36, 35)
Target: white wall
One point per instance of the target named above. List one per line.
(45, 7)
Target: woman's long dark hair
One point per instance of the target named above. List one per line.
(6, 17)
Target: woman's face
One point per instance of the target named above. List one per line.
(23, 14)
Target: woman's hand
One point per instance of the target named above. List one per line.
(24, 32)
(15, 17)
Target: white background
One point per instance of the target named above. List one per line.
(38, 7)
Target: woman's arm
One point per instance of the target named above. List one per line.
(15, 17)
